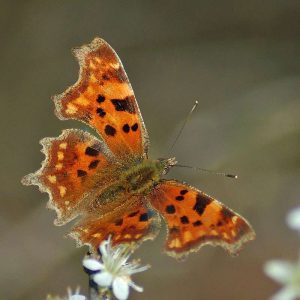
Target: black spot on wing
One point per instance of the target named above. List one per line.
(170, 209)
(94, 164)
(184, 220)
(201, 202)
(125, 104)
(81, 173)
(101, 113)
(183, 192)
(135, 127)
(144, 217)
(100, 99)
(109, 130)
(126, 128)
(197, 223)
(91, 151)
(179, 198)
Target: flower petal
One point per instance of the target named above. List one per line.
(293, 218)
(287, 293)
(279, 270)
(103, 279)
(121, 288)
(92, 264)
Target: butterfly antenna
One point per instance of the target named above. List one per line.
(183, 125)
(208, 171)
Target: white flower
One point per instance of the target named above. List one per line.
(70, 296)
(112, 269)
(76, 295)
(287, 274)
(293, 219)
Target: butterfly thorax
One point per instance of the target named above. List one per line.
(136, 179)
(143, 176)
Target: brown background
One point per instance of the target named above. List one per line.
(239, 59)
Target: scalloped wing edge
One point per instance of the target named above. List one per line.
(153, 233)
(233, 249)
(80, 54)
(34, 178)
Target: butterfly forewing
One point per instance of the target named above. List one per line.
(103, 98)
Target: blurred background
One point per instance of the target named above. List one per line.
(239, 59)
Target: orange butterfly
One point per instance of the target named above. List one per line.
(111, 183)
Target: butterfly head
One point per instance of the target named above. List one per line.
(167, 164)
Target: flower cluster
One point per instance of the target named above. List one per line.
(71, 296)
(285, 272)
(111, 269)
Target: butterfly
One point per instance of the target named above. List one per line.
(110, 184)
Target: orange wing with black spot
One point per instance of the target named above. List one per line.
(195, 219)
(67, 173)
(103, 98)
(131, 223)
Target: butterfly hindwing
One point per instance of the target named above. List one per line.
(129, 223)
(195, 219)
(103, 98)
(67, 172)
